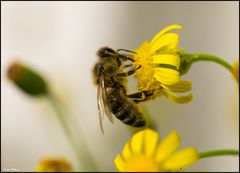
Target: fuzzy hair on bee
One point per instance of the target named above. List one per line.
(112, 98)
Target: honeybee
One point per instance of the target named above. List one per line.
(112, 98)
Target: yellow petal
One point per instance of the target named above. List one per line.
(181, 159)
(136, 142)
(167, 146)
(142, 51)
(143, 141)
(177, 98)
(119, 163)
(168, 28)
(167, 42)
(127, 153)
(150, 141)
(171, 59)
(180, 86)
(166, 75)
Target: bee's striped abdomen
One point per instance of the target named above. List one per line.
(124, 109)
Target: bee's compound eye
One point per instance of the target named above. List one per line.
(105, 52)
(108, 51)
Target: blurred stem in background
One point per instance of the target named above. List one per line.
(68, 123)
(33, 84)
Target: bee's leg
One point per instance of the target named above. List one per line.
(141, 96)
(125, 74)
(128, 65)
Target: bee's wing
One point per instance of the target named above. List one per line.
(100, 107)
(102, 103)
(107, 110)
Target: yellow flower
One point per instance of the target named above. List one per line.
(143, 153)
(235, 71)
(54, 165)
(160, 63)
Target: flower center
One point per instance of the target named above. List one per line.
(145, 73)
(141, 163)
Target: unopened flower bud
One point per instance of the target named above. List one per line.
(26, 79)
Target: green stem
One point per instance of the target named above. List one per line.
(213, 153)
(208, 57)
(81, 149)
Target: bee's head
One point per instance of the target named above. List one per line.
(106, 52)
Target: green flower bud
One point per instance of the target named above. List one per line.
(185, 61)
(26, 79)
(185, 65)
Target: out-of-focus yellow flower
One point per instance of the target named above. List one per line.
(143, 153)
(160, 61)
(235, 71)
(54, 165)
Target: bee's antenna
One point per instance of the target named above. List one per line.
(123, 57)
(126, 51)
(110, 53)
